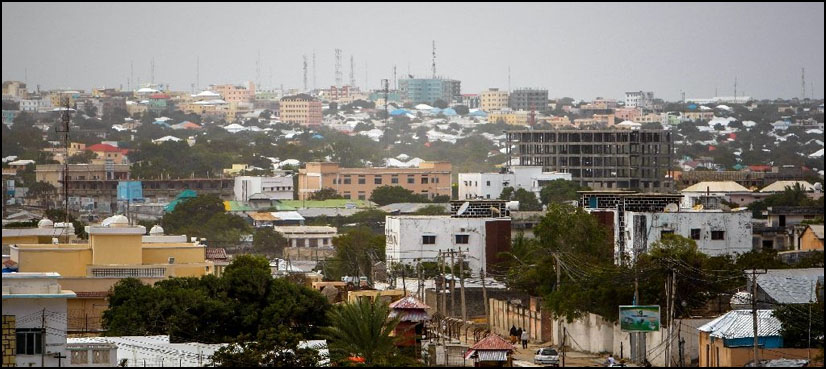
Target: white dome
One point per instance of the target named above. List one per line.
(156, 230)
(115, 221)
(45, 223)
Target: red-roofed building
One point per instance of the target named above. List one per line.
(491, 351)
(107, 152)
(413, 314)
(760, 168)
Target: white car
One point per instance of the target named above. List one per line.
(547, 356)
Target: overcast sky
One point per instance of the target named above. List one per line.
(577, 50)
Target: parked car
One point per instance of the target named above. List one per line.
(546, 356)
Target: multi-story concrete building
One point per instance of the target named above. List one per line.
(493, 99)
(301, 109)
(599, 158)
(428, 90)
(115, 250)
(308, 242)
(481, 237)
(517, 118)
(490, 185)
(14, 90)
(234, 93)
(35, 324)
(429, 179)
(529, 99)
(627, 113)
(639, 99)
(53, 173)
(276, 188)
(472, 101)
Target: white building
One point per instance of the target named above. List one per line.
(490, 185)
(715, 232)
(276, 188)
(639, 99)
(411, 238)
(308, 242)
(697, 193)
(35, 310)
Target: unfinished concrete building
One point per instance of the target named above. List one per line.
(601, 159)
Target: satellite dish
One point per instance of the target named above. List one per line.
(463, 208)
(672, 208)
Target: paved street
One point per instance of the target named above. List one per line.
(524, 357)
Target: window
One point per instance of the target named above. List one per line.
(411, 179)
(487, 183)
(429, 240)
(377, 180)
(394, 179)
(424, 180)
(347, 196)
(362, 196)
(346, 179)
(29, 341)
(80, 357)
(362, 180)
(695, 233)
(718, 235)
(462, 238)
(663, 233)
(100, 356)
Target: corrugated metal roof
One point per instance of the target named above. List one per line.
(717, 186)
(409, 302)
(738, 324)
(790, 286)
(780, 186)
(410, 315)
(485, 355)
(493, 342)
(213, 253)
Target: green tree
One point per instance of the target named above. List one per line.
(394, 194)
(205, 216)
(461, 109)
(527, 200)
(363, 329)
(559, 191)
(272, 348)
(267, 241)
(356, 252)
(432, 210)
(794, 319)
(791, 196)
(326, 193)
(507, 194)
(439, 103)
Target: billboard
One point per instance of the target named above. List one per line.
(129, 190)
(639, 318)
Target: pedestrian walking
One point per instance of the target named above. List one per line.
(525, 337)
(513, 334)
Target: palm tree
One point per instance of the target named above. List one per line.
(363, 329)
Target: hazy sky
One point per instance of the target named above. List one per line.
(577, 50)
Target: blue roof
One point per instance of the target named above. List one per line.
(479, 113)
(436, 111)
(399, 112)
(449, 112)
(162, 123)
(318, 136)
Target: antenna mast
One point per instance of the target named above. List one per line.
(63, 128)
(314, 75)
(305, 72)
(258, 69)
(352, 73)
(338, 67)
(434, 59)
(802, 83)
(395, 83)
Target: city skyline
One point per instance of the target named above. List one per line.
(697, 50)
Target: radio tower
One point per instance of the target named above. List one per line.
(258, 69)
(434, 59)
(338, 67)
(63, 128)
(395, 84)
(305, 73)
(802, 83)
(314, 75)
(352, 73)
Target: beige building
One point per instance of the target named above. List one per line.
(235, 94)
(430, 179)
(308, 242)
(493, 99)
(302, 109)
(517, 118)
(53, 173)
(115, 250)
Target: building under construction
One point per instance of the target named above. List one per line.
(599, 158)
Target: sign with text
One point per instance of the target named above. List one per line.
(639, 318)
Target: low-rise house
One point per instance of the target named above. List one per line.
(700, 193)
(785, 286)
(491, 351)
(812, 238)
(490, 185)
(728, 340)
(308, 242)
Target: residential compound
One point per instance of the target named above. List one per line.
(490, 185)
(429, 179)
(428, 90)
(599, 158)
(528, 99)
(493, 99)
(115, 250)
(301, 109)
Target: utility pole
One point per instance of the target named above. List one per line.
(564, 335)
(444, 283)
(809, 345)
(43, 337)
(404, 285)
(754, 314)
(462, 283)
(485, 297)
(452, 286)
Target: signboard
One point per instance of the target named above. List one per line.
(129, 190)
(639, 318)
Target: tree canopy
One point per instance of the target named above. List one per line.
(356, 253)
(394, 194)
(559, 191)
(205, 216)
(362, 328)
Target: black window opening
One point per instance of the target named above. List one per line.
(695, 233)
(462, 238)
(29, 341)
(429, 240)
(718, 235)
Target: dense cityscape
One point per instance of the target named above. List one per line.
(406, 219)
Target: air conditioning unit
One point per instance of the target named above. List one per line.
(171, 260)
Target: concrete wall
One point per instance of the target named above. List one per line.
(504, 315)
(642, 229)
(29, 314)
